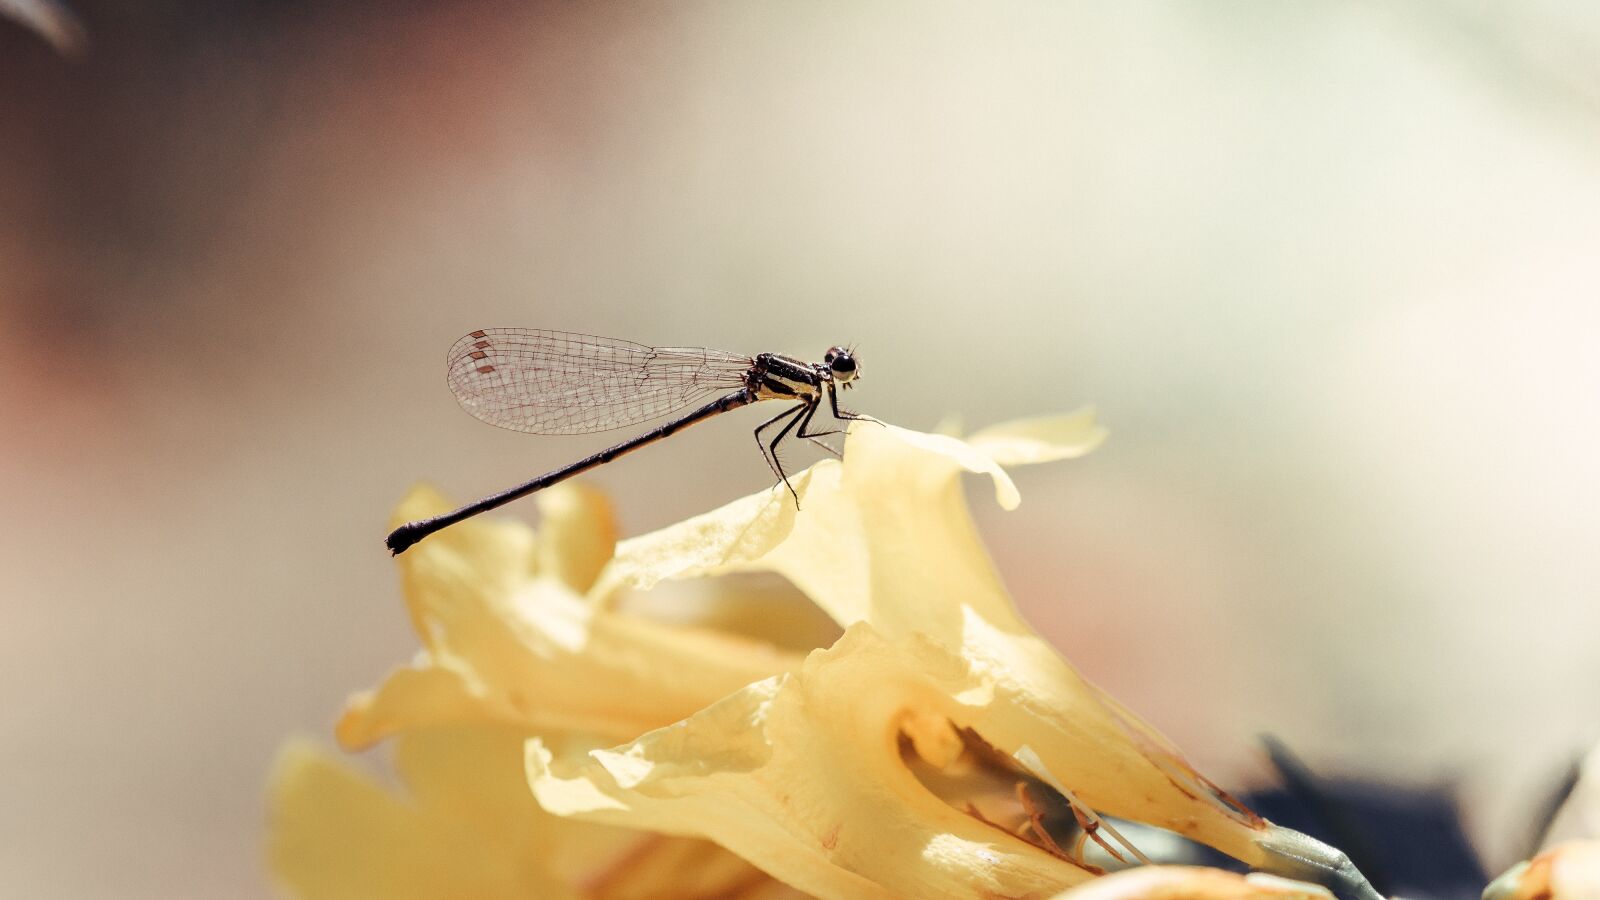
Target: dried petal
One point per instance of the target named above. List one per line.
(886, 539)
(802, 775)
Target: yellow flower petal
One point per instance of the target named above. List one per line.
(1040, 440)
(337, 835)
(425, 697)
(670, 868)
(715, 542)
(466, 827)
(509, 641)
(577, 534)
(886, 539)
(802, 775)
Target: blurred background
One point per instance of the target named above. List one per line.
(1329, 273)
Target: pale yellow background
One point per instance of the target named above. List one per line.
(1329, 271)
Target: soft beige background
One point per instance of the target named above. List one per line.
(1329, 272)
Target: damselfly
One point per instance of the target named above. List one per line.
(552, 382)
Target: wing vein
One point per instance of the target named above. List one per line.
(555, 382)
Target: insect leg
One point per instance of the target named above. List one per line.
(815, 436)
(805, 409)
(772, 462)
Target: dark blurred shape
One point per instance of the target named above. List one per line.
(1408, 841)
(52, 21)
(1344, 830)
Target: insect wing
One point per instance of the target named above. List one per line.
(554, 382)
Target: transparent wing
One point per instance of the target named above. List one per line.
(552, 382)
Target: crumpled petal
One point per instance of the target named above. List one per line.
(509, 639)
(886, 539)
(802, 775)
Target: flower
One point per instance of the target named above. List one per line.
(510, 649)
(915, 756)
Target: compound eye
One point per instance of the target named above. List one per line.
(841, 363)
